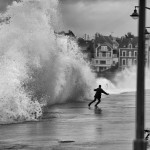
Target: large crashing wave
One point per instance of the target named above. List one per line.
(34, 68)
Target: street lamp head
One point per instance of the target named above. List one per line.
(135, 14)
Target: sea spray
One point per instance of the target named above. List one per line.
(125, 80)
(34, 69)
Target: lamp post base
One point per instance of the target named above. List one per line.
(140, 144)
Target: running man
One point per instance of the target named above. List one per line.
(97, 95)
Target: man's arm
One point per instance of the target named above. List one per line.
(105, 92)
(95, 89)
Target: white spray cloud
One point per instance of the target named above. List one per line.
(34, 69)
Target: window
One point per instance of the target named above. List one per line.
(130, 45)
(100, 68)
(96, 61)
(108, 61)
(135, 53)
(104, 48)
(104, 54)
(130, 54)
(123, 53)
(97, 68)
(123, 62)
(97, 54)
(115, 55)
(134, 61)
(108, 55)
(102, 62)
(100, 55)
(129, 62)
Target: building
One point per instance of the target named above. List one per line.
(103, 57)
(106, 53)
(128, 48)
(127, 52)
(147, 50)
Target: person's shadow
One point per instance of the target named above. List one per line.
(97, 110)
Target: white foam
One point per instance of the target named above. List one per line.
(34, 69)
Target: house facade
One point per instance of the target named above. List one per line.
(127, 57)
(127, 53)
(103, 57)
(118, 53)
(106, 53)
(147, 51)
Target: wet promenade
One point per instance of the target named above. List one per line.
(75, 127)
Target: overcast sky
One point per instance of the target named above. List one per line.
(102, 16)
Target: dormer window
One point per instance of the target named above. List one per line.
(130, 54)
(104, 48)
(130, 45)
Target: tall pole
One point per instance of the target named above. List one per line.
(139, 142)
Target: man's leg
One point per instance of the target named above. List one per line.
(99, 100)
(92, 102)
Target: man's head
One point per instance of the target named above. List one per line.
(99, 86)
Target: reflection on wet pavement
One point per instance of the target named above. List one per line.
(73, 126)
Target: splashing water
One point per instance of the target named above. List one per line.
(38, 67)
(125, 81)
(35, 67)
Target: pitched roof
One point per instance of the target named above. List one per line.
(104, 44)
(124, 42)
(103, 39)
(108, 39)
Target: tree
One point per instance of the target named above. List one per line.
(129, 35)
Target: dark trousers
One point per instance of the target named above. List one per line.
(99, 100)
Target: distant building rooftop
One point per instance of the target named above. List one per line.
(124, 42)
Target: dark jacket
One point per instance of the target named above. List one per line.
(99, 92)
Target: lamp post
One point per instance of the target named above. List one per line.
(139, 142)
